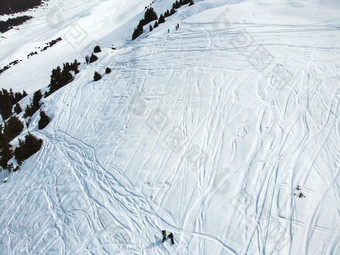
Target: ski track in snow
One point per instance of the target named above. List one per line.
(109, 177)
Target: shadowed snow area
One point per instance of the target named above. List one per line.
(205, 132)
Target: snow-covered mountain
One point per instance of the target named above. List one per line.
(224, 132)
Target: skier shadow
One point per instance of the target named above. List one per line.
(154, 244)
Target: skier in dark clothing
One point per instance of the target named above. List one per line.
(177, 26)
(171, 236)
(164, 235)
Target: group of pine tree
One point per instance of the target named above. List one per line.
(9, 101)
(151, 15)
(61, 77)
(12, 127)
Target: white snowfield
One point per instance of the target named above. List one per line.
(205, 132)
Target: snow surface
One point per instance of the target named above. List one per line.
(204, 132)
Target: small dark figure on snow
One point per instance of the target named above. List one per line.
(177, 26)
(164, 236)
(171, 236)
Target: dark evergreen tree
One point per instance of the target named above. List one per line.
(44, 120)
(13, 127)
(30, 110)
(141, 24)
(93, 58)
(97, 49)
(55, 82)
(5, 150)
(150, 28)
(66, 75)
(17, 108)
(34, 106)
(97, 76)
(16, 97)
(7, 100)
(36, 98)
(155, 25)
(161, 19)
(107, 70)
(5, 104)
(191, 2)
(61, 77)
(138, 31)
(74, 66)
(1, 135)
(149, 16)
(27, 148)
(5, 155)
(176, 5)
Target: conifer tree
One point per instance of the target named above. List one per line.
(17, 108)
(97, 76)
(107, 70)
(44, 120)
(93, 58)
(97, 49)
(13, 127)
(161, 19)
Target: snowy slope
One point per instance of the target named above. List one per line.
(204, 132)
